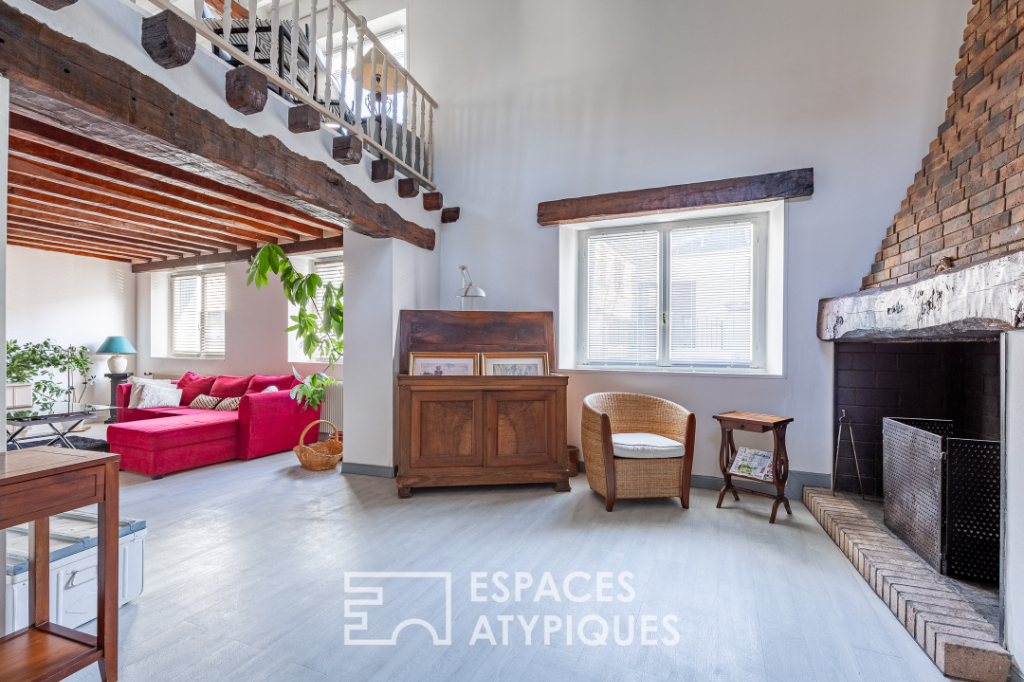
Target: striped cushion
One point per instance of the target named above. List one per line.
(204, 402)
(229, 404)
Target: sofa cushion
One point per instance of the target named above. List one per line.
(172, 432)
(227, 404)
(645, 446)
(155, 395)
(260, 383)
(193, 385)
(230, 387)
(205, 402)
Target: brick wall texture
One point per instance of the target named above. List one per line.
(967, 202)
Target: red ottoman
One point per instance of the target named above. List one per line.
(155, 447)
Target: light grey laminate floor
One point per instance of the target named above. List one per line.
(246, 568)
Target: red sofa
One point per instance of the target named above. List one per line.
(161, 440)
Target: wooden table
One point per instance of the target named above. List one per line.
(35, 484)
(755, 423)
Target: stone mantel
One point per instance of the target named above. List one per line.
(979, 299)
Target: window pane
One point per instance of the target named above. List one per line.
(622, 309)
(185, 322)
(711, 295)
(214, 307)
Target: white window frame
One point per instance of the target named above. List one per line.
(171, 314)
(768, 275)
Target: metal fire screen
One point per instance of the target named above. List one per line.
(942, 496)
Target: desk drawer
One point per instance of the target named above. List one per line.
(31, 499)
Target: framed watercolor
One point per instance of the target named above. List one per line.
(444, 364)
(514, 364)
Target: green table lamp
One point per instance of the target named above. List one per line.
(116, 347)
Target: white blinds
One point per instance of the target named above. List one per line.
(622, 299)
(710, 295)
(330, 271)
(198, 305)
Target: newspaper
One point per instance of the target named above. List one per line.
(753, 464)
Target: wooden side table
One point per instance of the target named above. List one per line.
(756, 423)
(35, 484)
(115, 381)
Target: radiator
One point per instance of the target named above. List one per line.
(331, 408)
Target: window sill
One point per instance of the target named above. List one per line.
(725, 372)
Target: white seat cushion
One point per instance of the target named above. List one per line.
(646, 446)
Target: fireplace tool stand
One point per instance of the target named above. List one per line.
(847, 422)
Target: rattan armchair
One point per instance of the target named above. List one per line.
(618, 478)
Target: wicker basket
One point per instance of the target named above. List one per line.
(322, 456)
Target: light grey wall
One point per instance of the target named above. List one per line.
(548, 99)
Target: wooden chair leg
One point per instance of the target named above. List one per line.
(609, 461)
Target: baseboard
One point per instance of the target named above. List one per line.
(1015, 674)
(367, 469)
(794, 486)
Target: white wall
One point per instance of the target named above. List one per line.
(548, 99)
(1013, 586)
(72, 300)
(382, 277)
(255, 342)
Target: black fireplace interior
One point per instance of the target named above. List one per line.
(943, 498)
(954, 380)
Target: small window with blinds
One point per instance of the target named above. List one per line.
(331, 271)
(198, 307)
(675, 295)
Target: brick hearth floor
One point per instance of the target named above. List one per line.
(950, 630)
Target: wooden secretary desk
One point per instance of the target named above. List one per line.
(481, 430)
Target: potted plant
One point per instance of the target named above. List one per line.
(319, 324)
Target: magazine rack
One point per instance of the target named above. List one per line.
(755, 423)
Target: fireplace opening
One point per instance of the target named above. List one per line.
(926, 422)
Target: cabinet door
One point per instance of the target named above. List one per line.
(521, 429)
(447, 429)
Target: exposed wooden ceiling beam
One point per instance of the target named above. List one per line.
(57, 234)
(755, 188)
(132, 252)
(18, 186)
(175, 249)
(75, 86)
(22, 197)
(307, 246)
(50, 246)
(57, 176)
(47, 143)
(67, 216)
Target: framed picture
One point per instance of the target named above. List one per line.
(444, 364)
(515, 364)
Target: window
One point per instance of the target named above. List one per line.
(683, 294)
(331, 271)
(198, 305)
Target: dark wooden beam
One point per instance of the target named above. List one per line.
(450, 214)
(303, 118)
(169, 40)
(55, 4)
(756, 188)
(382, 169)
(58, 147)
(433, 201)
(246, 90)
(408, 187)
(347, 150)
(306, 246)
(71, 85)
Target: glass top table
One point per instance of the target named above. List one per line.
(51, 414)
